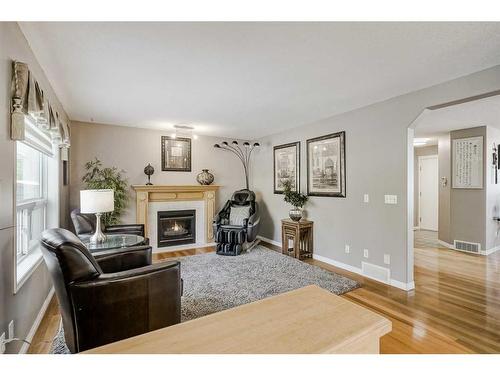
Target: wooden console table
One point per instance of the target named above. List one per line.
(300, 233)
(306, 320)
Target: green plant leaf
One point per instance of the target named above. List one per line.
(293, 197)
(98, 177)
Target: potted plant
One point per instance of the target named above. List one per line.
(99, 177)
(296, 199)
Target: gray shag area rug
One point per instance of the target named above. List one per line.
(213, 282)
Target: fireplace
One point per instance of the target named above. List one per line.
(176, 227)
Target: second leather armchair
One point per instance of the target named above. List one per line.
(85, 225)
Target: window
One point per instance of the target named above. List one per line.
(31, 199)
(37, 198)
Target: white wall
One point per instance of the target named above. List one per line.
(419, 151)
(492, 190)
(24, 306)
(444, 161)
(131, 149)
(376, 156)
(468, 206)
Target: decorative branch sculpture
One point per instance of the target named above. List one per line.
(242, 153)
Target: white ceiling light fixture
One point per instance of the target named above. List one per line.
(184, 131)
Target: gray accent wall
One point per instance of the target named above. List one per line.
(24, 306)
(376, 156)
(131, 149)
(467, 214)
(419, 151)
(468, 206)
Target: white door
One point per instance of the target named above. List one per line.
(428, 192)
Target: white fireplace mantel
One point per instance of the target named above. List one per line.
(146, 194)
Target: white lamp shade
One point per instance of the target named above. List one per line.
(97, 201)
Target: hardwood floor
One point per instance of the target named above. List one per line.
(455, 307)
(45, 333)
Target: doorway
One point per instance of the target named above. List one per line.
(428, 192)
(466, 205)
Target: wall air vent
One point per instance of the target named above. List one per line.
(470, 247)
(376, 272)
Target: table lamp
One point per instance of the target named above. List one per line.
(97, 202)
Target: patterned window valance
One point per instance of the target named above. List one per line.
(28, 99)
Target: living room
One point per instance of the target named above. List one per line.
(239, 187)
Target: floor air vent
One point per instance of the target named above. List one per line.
(376, 272)
(470, 247)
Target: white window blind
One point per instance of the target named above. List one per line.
(37, 139)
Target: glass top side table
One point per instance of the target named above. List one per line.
(114, 241)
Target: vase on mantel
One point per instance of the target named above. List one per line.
(205, 177)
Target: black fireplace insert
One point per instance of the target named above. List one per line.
(176, 227)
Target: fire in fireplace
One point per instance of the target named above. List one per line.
(176, 227)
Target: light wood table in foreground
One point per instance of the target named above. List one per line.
(306, 320)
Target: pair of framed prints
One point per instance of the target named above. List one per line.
(325, 166)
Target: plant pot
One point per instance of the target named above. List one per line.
(295, 214)
(205, 177)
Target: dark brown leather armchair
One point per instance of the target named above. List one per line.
(115, 296)
(85, 225)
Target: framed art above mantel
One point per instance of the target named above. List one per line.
(326, 166)
(175, 154)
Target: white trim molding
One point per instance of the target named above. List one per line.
(490, 251)
(36, 323)
(272, 242)
(335, 263)
(400, 285)
(481, 252)
(395, 283)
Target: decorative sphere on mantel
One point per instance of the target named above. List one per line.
(205, 177)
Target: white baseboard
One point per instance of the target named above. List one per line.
(335, 263)
(491, 251)
(36, 323)
(401, 285)
(395, 283)
(481, 252)
(446, 244)
(272, 242)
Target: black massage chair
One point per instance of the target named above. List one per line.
(237, 231)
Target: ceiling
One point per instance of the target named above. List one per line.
(248, 80)
(483, 112)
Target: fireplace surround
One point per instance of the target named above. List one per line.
(176, 227)
(153, 198)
